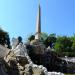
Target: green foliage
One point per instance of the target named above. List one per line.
(4, 38)
(51, 39)
(69, 54)
(43, 36)
(58, 47)
(31, 37)
(63, 43)
(73, 44)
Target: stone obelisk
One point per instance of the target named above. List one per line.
(38, 24)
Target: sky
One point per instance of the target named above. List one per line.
(18, 17)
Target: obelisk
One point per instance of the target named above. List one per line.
(38, 24)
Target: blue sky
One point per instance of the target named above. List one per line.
(18, 17)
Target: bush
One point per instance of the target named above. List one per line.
(69, 54)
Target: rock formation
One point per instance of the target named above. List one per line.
(13, 64)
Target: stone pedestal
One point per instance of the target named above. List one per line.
(39, 48)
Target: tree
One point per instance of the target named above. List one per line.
(43, 36)
(31, 37)
(63, 44)
(73, 44)
(51, 39)
(4, 38)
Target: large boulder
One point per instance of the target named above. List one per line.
(3, 51)
(13, 64)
